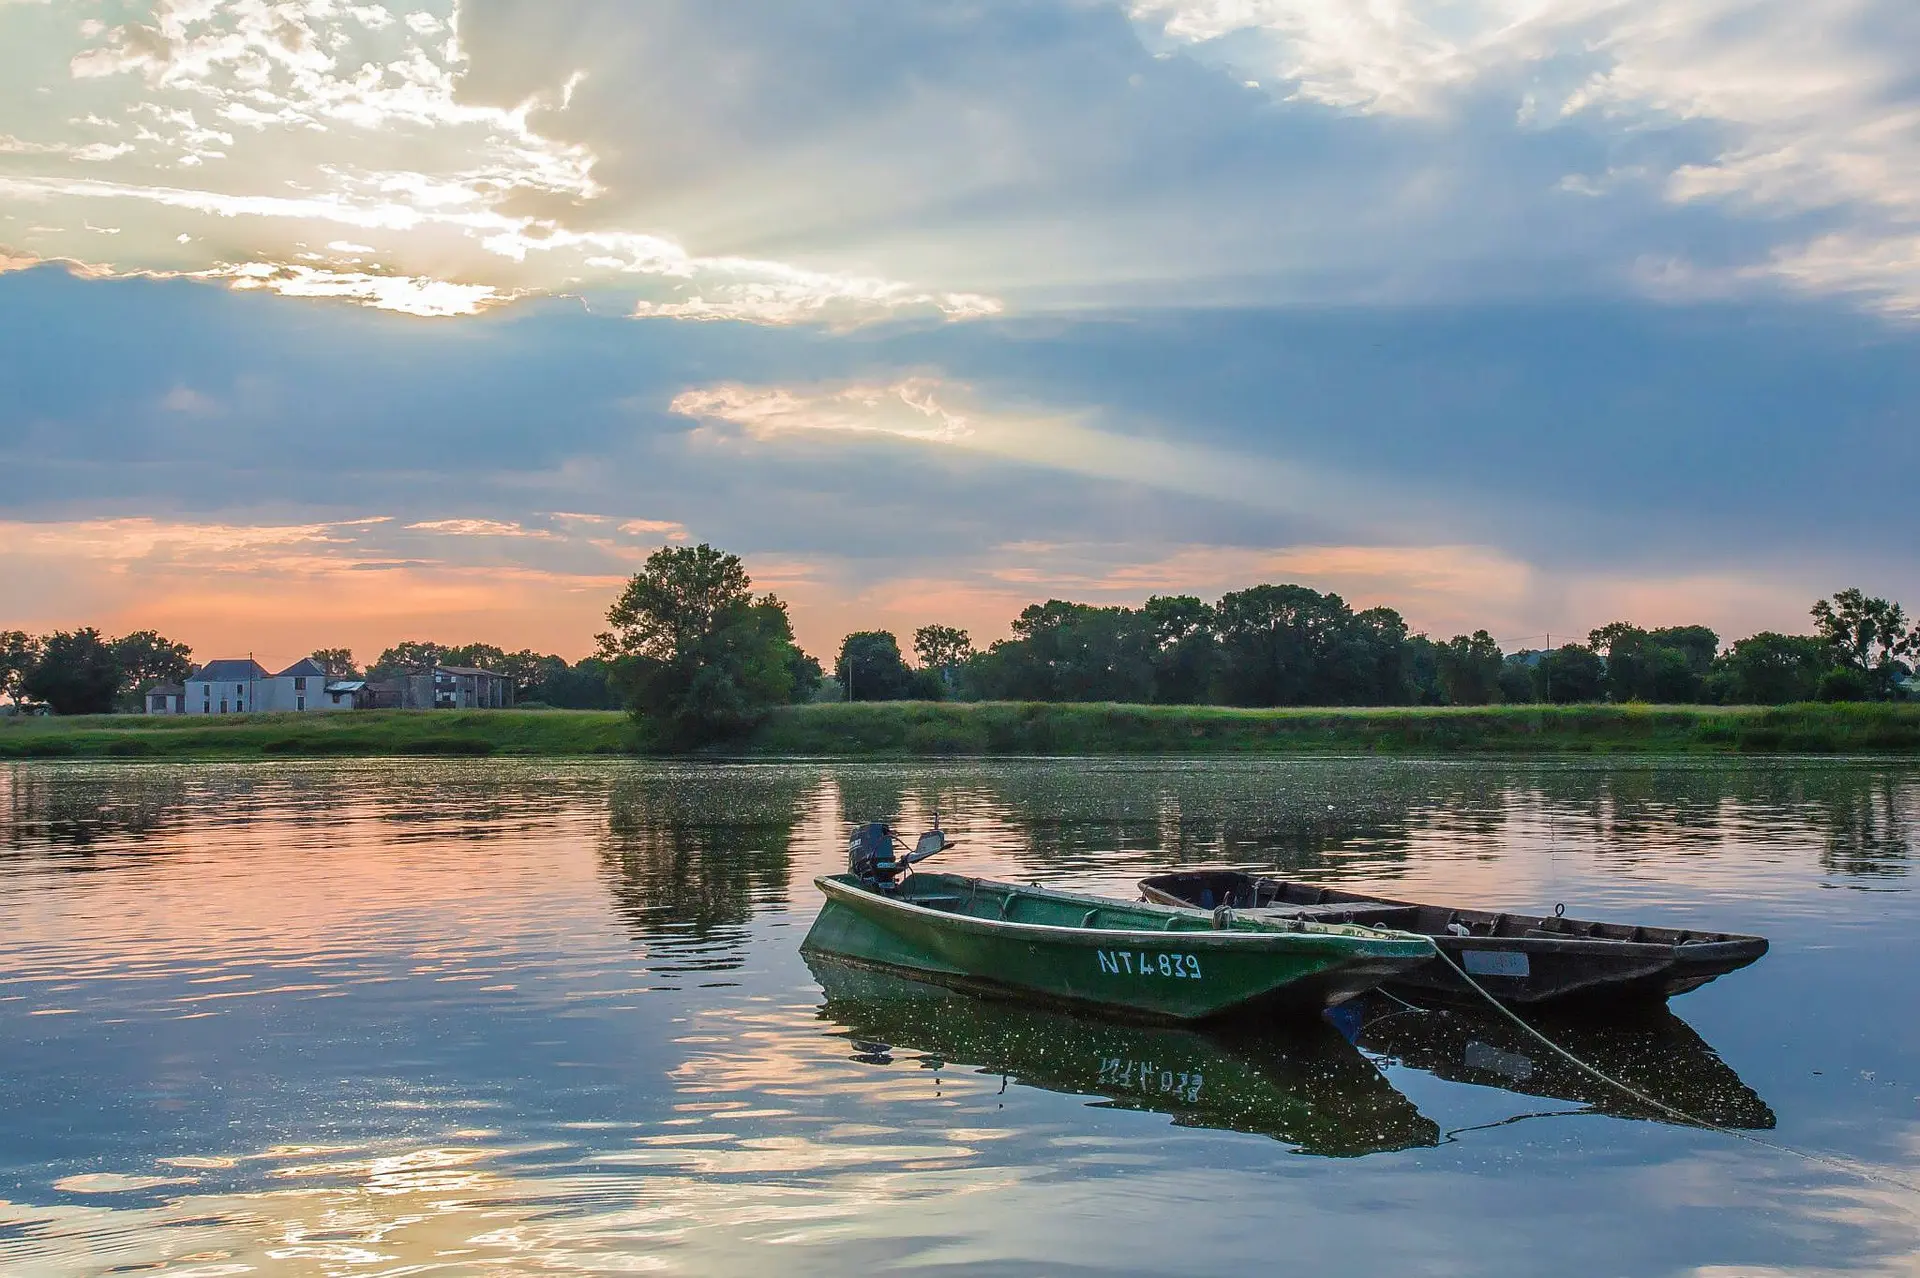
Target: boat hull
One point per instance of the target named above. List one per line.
(1180, 969)
(1522, 960)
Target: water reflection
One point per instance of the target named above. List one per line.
(1656, 1053)
(1306, 1086)
(690, 854)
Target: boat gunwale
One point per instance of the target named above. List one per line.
(1705, 945)
(1356, 939)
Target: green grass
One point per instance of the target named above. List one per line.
(358, 732)
(907, 728)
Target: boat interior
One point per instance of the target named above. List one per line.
(1013, 903)
(1208, 889)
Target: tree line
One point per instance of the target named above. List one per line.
(1289, 645)
(695, 653)
(697, 656)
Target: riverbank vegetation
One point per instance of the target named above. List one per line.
(924, 728)
(703, 664)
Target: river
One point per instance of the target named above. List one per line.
(422, 1017)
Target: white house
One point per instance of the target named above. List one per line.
(227, 686)
(231, 686)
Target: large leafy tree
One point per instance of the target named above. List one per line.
(943, 650)
(409, 657)
(1186, 650)
(1668, 665)
(1570, 674)
(19, 654)
(1063, 651)
(337, 662)
(1281, 645)
(1770, 669)
(76, 674)
(147, 660)
(1469, 669)
(1866, 635)
(697, 656)
(479, 656)
(871, 667)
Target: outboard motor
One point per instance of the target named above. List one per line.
(870, 856)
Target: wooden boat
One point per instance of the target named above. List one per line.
(1305, 1086)
(1152, 962)
(1521, 959)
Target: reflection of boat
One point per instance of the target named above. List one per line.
(1523, 959)
(1308, 1088)
(1148, 961)
(1657, 1053)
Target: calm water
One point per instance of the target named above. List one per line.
(406, 1018)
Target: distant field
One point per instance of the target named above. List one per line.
(883, 729)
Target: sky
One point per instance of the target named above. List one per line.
(333, 324)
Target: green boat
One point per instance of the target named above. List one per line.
(1150, 962)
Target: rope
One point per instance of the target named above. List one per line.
(1679, 1115)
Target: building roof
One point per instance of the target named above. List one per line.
(307, 667)
(469, 670)
(231, 669)
(167, 690)
(345, 685)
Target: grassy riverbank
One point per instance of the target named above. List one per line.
(927, 728)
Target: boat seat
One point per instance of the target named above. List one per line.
(942, 902)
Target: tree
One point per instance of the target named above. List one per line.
(146, 660)
(1516, 678)
(1866, 635)
(337, 662)
(1279, 645)
(872, 669)
(478, 656)
(587, 684)
(696, 656)
(19, 654)
(1668, 665)
(76, 673)
(1469, 669)
(1186, 650)
(943, 649)
(1770, 669)
(1570, 674)
(409, 657)
(1369, 668)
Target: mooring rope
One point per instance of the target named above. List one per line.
(1680, 1115)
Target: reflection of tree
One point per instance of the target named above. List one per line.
(78, 807)
(691, 852)
(1866, 828)
(1301, 817)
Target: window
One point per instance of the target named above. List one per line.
(299, 683)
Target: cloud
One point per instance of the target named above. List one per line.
(907, 409)
(668, 528)
(476, 528)
(293, 118)
(1812, 112)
